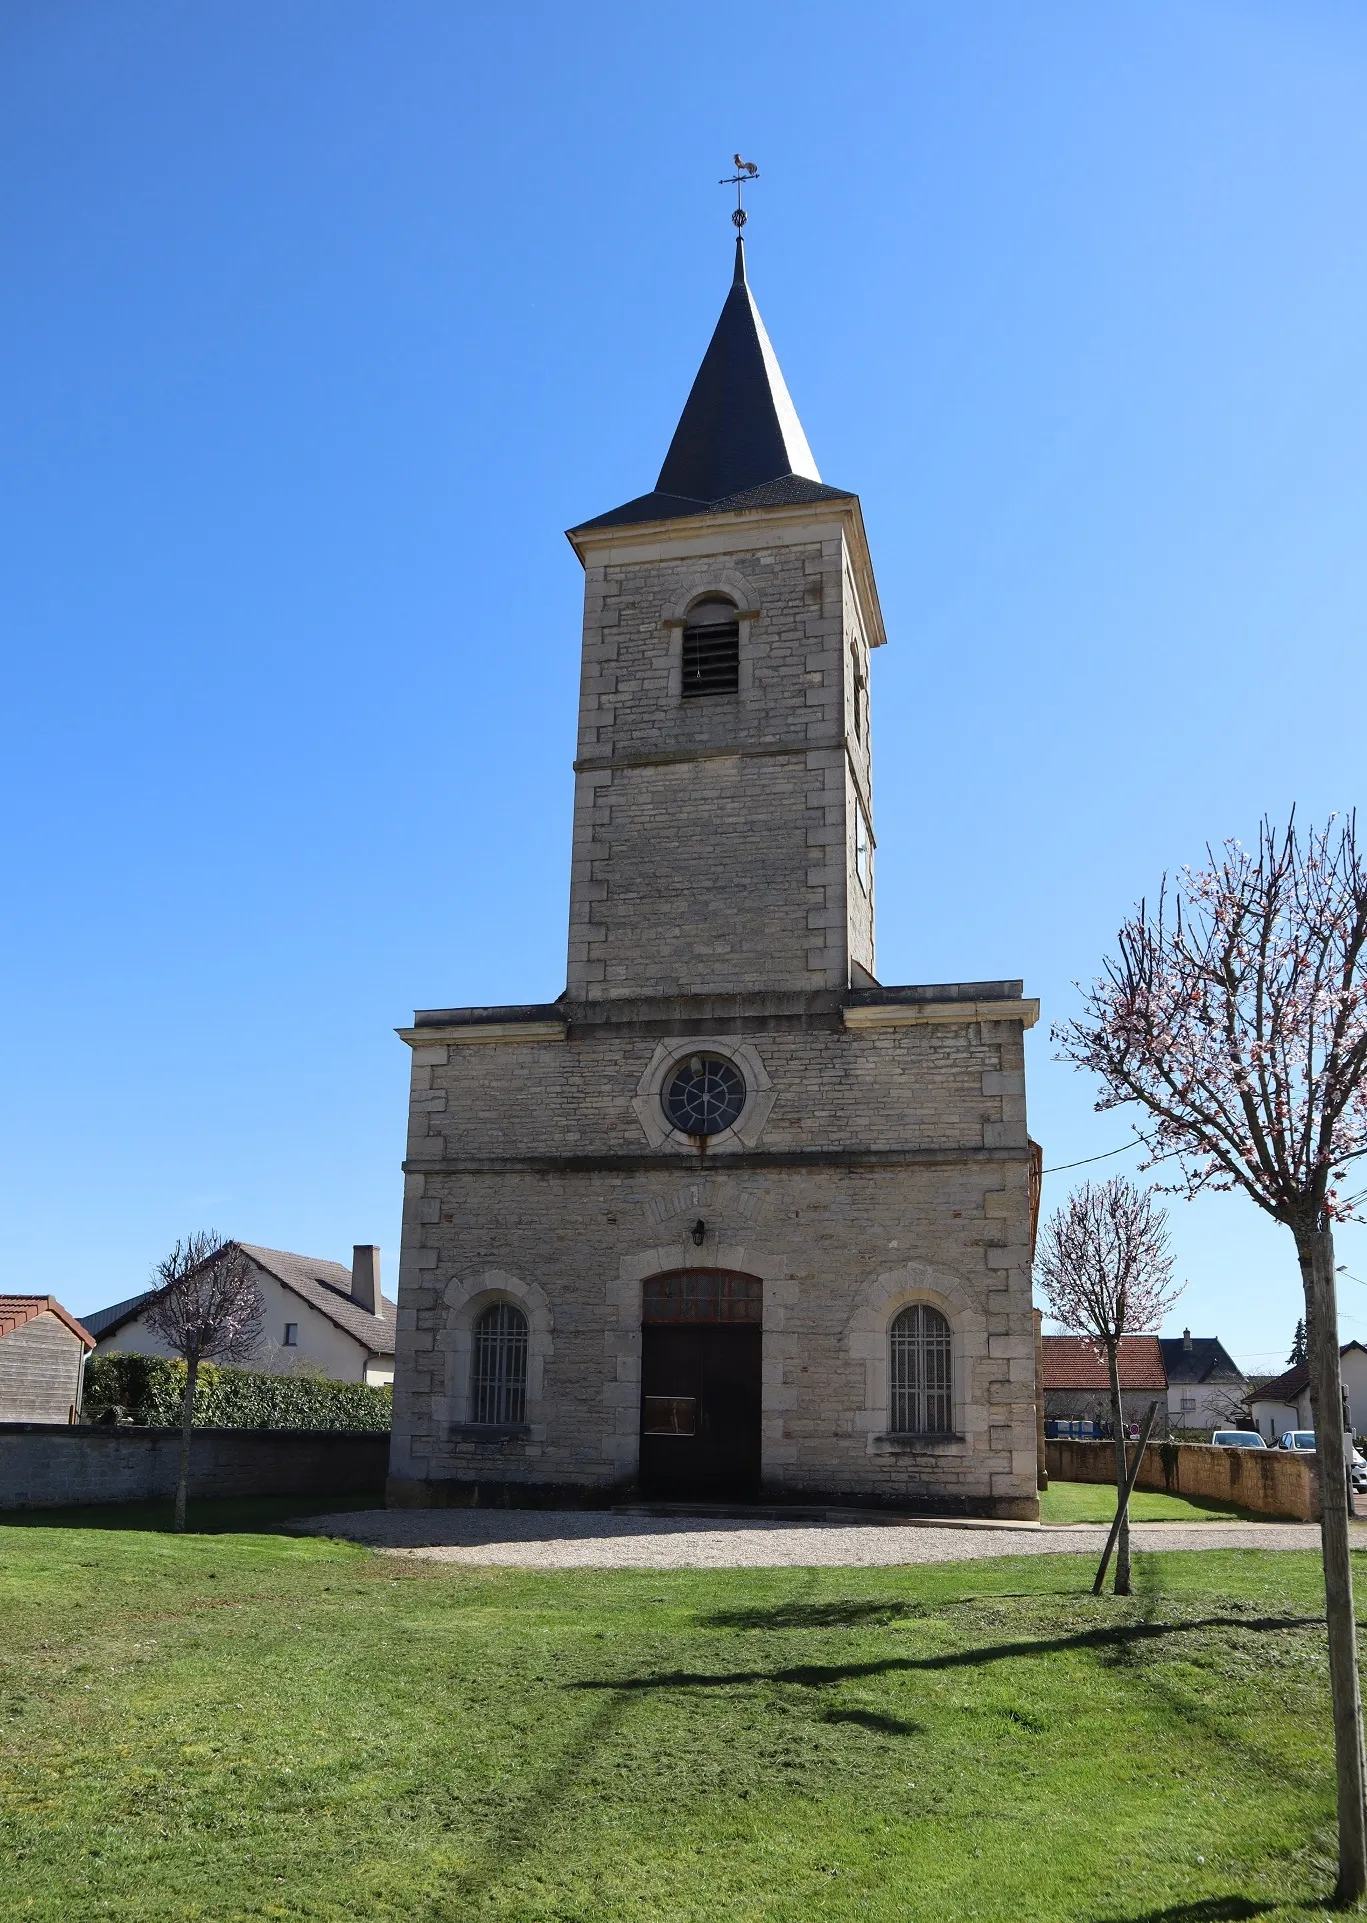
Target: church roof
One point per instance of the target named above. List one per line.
(739, 443)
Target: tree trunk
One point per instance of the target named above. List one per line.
(187, 1423)
(1315, 1248)
(1122, 1541)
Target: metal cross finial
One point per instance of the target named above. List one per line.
(746, 171)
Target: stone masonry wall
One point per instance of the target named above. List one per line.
(1271, 1482)
(50, 1467)
(937, 1085)
(697, 869)
(917, 1191)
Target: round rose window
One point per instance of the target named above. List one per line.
(704, 1095)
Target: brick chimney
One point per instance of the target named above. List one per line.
(365, 1277)
(1186, 1333)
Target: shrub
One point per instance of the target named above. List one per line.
(151, 1388)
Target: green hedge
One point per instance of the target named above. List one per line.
(151, 1388)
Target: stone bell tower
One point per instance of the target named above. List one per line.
(728, 1217)
(723, 835)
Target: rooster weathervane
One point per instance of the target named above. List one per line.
(746, 171)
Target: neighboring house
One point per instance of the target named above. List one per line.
(1283, 1402)
(42, 1360)
(1206, 1387)
(1077, 1386)
(320, 1317)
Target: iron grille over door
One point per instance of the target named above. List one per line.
(921, 1400)
(498, 1386)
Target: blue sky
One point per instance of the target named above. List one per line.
(324, 319)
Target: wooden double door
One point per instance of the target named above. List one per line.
(700, 1388)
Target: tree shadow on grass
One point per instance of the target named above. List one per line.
(846, 1614)
(870, 1719)
(208, 1516)
(518, 1831)
(1118, 1636)
(1209, 1909)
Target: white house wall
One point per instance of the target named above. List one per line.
(322, 1346)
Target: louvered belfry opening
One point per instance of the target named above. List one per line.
(711, 649)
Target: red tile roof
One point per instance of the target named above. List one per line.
(1076, 1362)
(16, 1310)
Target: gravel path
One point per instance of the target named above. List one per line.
(578, 1539)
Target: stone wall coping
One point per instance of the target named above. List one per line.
(115, 1431)
(472, 1032)
(750, 1004)
(905, 1014)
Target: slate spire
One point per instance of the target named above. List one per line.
(739, 428)
(739, 443)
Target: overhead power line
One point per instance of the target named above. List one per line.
(1105, 1156)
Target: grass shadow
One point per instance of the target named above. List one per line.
(847, 1614)
(1209, 1909)
(228, 1516)
(870, 1719)
(1117, 1636)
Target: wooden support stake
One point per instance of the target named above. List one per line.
(1130, 1481)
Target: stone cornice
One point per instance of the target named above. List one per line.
(741, 529)
(468, 1033)
(910, 1014)
(685, 1161)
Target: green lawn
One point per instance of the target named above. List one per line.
(1095, 1502)
(248, 1725)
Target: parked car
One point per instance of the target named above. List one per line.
(1237, 1439)
(1301, 1442)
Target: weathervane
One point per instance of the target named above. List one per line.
(746, 171)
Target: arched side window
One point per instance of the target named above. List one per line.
(498, 1376)
(920, 1377)
(711, 649)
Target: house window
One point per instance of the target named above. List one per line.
(921, 1403)
(291, 1335)
(863, 854)
(498, 1384)
(1188, 1402)
(857, 684)
(711, 650)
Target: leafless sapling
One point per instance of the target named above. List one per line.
(1105, 1272)
(1236, 1015)
(208, 1309)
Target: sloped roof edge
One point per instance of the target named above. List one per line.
(17, 1310)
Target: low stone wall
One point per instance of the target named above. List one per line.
(1271, 1482)
(51, 1466)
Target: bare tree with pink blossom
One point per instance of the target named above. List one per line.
(1105, 1272)
(1236, 1015)
(209, 1309)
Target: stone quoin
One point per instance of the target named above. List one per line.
(729, 1219)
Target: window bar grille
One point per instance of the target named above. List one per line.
(921, 1399)
(499, 1380)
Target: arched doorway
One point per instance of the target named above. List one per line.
(700, 1385)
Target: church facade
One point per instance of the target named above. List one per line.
(728, 1220)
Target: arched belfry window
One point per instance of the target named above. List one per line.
(919, 1379)
(711, 649)
(498, 1377)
